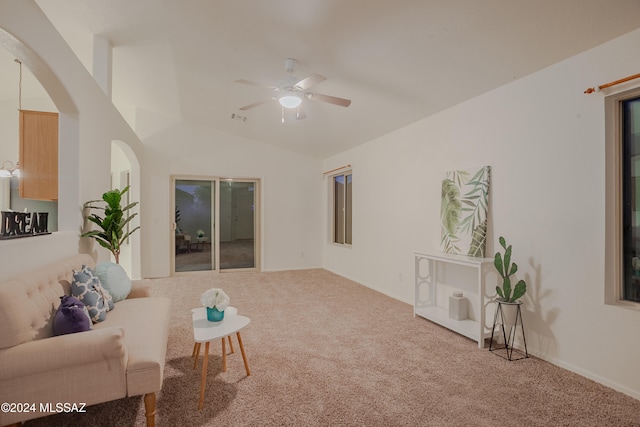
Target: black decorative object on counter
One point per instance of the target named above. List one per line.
(23, 224)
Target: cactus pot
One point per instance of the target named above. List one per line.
(508, 312)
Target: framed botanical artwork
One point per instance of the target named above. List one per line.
(463, 211)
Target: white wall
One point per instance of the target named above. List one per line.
(291, 186)
(542, 136)
(88, 124)
(544, 139)
(291, 183)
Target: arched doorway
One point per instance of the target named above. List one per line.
(125, 170)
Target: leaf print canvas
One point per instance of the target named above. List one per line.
(463, 212)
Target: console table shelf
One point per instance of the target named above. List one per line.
(434, 306)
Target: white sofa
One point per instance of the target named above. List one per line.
(122, 356)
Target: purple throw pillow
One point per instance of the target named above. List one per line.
(72, 316)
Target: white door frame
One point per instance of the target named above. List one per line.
(215, 225)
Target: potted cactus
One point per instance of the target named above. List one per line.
(506, 269)
(508, 296)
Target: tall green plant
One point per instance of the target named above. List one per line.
(506, 269)
(113, 225)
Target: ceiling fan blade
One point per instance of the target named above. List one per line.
(327, 98)
(255, 104)
(249, 82)
(307, 82)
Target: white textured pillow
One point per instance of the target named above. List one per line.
(114, 279)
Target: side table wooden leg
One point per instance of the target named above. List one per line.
(244, 356)
(224, 357)
(203, 381)
(196, 354)
(231, 350)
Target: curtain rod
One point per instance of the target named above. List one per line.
(337, 169)
(617, 82)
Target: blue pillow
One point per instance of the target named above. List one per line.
(114, 279)
(72, 316)
(87, 288)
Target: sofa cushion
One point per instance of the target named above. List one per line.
(114, 279)
(87, 288)
(72, 316)
(146, 325)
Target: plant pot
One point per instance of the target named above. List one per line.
(508, 312)
(214, 315)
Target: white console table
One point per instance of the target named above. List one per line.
(437, 275)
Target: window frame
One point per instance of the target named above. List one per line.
(614, 199)
(345, 217)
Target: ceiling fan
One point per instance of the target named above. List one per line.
(290, 91)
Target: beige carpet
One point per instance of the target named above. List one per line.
(326, 351)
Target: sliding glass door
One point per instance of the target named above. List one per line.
(202, 203)
(194, 225)
(237, 224)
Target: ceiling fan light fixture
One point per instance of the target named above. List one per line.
(290, 101)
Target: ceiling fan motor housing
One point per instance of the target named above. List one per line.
(290, 65)
(288, 83)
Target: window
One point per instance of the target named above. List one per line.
(622, 264)
(342, 193)
(630, 132)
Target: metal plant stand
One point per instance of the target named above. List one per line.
(509, 339)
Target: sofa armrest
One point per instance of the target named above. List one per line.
(62, 351)
(140, 288)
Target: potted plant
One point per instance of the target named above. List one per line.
(113, 226)
(216, 302)
(508, 299)
(506, 269)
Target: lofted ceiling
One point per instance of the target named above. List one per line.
(175, 62)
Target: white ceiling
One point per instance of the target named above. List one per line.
(175, 62)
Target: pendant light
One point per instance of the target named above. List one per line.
(14, 170)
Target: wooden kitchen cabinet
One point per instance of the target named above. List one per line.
(38, 155)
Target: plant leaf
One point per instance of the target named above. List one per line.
(128, 234)
(129, 206)
(519, 290)
(450, 207)
(476, 249)
(514, 269)
(112, 198)
(506, 287)
(497, 262)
